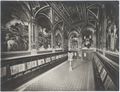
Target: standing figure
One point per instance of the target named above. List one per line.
(70, 56)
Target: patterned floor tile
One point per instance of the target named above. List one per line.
(61, 79)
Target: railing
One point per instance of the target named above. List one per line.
(113, 57)
(110, 55)
(23, 53)
(17, 69)
(14, 54)
(108, 72)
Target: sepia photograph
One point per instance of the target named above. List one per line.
(59, 45)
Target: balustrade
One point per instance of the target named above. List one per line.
(107, 73)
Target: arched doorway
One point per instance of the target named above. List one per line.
(88, 37)
(73, 40)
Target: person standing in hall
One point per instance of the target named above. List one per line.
(70, 56)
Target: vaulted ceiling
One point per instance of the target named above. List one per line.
(73, 13)
(77, 12)
(87, 12)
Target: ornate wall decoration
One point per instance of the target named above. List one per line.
(15, 38)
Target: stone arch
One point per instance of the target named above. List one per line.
(72, 33)
(91, 30)
(57, 30)
(41, 9)
(45, 17)
(56, 25)
(44, 25)
(59, 38)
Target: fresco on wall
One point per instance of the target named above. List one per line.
(44, 39)
(14, 38)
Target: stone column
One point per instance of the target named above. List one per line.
(104, 25)
(80, 47)
(97, 36)
(63, 41)
(29, 36)
(32, 36)
(52, 30)
(36, 37)
(69, 42)
(104, 33)
(52, 44)
(80, 41)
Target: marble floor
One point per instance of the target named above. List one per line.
(61, 79)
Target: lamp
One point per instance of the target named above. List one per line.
(84, 37)
(75, 38)
(90, 37)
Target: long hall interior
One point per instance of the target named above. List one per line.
(59, 45)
